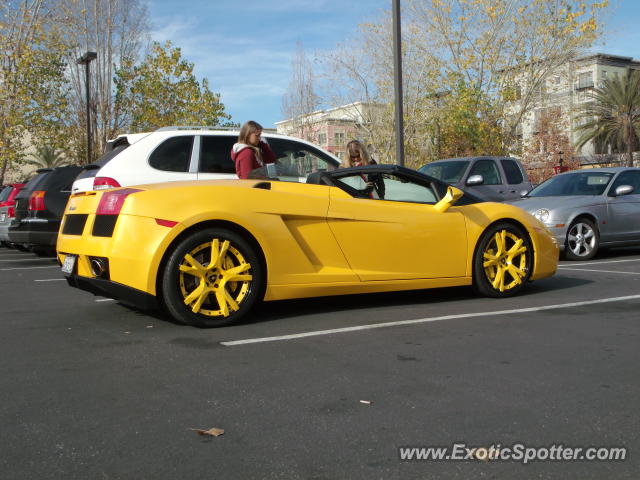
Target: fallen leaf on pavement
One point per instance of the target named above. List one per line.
(212, 432)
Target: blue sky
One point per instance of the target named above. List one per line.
(245, 47)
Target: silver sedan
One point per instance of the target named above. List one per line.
(588, 209)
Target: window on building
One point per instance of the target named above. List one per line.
(540, 90)
(338, 138)
(322, 139)
(585, 79)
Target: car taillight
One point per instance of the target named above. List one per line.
(36, 200)
(11, 212)
(111, 202)
(104, 183)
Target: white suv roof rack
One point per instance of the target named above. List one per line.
(206, 127)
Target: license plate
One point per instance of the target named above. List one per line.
(68, 264)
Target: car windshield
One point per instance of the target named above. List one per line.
(450, 172)
(581, 183)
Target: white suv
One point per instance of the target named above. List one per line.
(190, 153)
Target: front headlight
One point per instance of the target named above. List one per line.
(542, 214)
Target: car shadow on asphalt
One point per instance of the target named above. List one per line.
(282, 309)
(277, 310)
(615, 252)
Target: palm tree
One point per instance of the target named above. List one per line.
(47, 157)
(614, 115)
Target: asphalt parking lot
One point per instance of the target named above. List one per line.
(321, 388)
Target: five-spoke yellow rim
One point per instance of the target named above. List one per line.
(505, 260)
(214, 278)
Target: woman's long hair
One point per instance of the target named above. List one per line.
(356, 152)
(247, 129)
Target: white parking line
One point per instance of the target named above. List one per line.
(562, 265)
(51, 280)
(27, 268)
(601, 271)
(425, 320)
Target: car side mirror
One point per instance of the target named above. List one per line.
(475, 180)
(452, 195)
(623, 190)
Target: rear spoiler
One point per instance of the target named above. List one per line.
(125, 139)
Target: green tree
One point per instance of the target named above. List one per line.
(613, 115)
(32, 83)
(47, 156)
(163, 91)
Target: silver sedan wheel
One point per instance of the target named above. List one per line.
(582, 240)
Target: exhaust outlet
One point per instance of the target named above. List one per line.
(99, 267)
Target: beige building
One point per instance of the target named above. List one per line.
(330, 129)
(567, 91)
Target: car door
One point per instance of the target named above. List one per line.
(624, 210)
(172, 160)
(491, 187)
(297, 160)
(514, 183)
(215, 156)
(388, 229)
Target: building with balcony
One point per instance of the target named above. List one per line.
(568, 90)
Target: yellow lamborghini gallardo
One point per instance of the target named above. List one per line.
(207, 251)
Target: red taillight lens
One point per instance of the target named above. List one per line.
(111, 202)
(104, 183)
(36, 200)
(11, 212)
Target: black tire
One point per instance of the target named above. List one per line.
(177, 286)
(582, 240)
(515, 263)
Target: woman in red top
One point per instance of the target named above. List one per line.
(251, 151)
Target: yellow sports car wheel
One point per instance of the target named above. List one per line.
(503, 260)
(212, 278)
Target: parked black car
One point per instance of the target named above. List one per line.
(40, 206)
(494, 179)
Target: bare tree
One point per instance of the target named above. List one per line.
(117, 31)
(492, 52)
(300, 99)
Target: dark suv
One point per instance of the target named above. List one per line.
(491, 178)
(39, 208)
